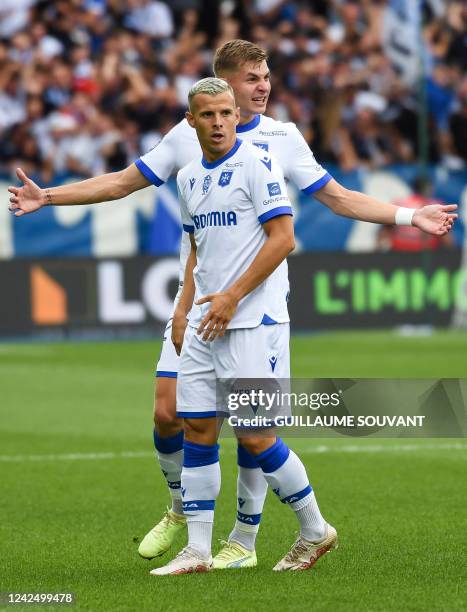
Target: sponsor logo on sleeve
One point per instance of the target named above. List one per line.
(274, 189)
(276, 199)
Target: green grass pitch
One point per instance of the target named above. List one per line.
(80, 484)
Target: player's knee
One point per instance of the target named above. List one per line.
(201, 431)
(165, 414)
(256, 444)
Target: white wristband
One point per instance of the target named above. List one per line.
(404, 215)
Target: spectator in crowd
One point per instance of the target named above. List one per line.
(86, 86)
(457, 136)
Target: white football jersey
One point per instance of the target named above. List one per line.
(180, 146)
(224, 205)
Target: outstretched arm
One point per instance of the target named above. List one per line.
(113, 186)
(280, 242)
(435, 219)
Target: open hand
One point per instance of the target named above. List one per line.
(223, 307)
(435, 219)
(25, 199)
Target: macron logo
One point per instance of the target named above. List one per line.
(241, 502)
(273, 362)
(267, 162)
(192, 183)
(274, 189)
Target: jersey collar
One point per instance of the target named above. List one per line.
(233, 150)
(246, 127)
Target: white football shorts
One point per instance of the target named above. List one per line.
(255, 353)
(169, 361)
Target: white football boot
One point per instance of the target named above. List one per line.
(188, 561)
(304, 554)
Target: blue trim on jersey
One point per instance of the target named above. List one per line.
(190, 229)
(198, 504)
(246, 127)
(249, 519)
(266, 320)
(148, 173)
(197, 455)
(297, 496)
(233, 150)
(275, 212)
(246, 459)
(169, 445)
(324, 180)
(274, 457)
(164, 374)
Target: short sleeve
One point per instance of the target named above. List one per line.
(268, 189)
(187, 221)
(304, 171)
(160, 162)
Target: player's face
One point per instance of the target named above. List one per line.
(214, 119)
(251, 86)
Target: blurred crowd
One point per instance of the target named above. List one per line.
(86, 86)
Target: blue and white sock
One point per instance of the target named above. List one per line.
(170, 454)
(201, 482)
(251, 493)
(286, 475)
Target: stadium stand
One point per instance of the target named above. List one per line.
(86, 86)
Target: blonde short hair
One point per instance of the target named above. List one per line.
(211, 86)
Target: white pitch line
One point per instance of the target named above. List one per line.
(77, 456)
(382, 448)
(321, 449)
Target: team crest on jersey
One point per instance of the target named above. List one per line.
(225, 178)
(207, 183)
(261, 145)
(192, 183)
(274, 189)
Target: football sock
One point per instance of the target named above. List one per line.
(201, 481)
(286, 475)
(312, 524)
(251, 493)
(170, 454)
